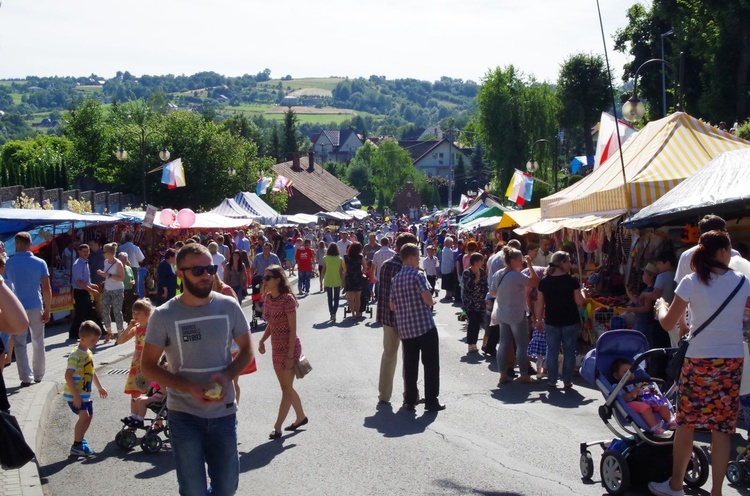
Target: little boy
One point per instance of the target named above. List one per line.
(430, 265)
(78, 377)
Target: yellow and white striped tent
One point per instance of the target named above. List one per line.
(659, 157)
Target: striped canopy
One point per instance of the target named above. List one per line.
(658, 158)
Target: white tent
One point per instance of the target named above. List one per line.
(260, 210)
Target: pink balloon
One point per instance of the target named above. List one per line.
(167, 216)
(186, 218)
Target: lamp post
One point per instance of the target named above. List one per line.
(663, 79)
(142, 136)
(532, 165)
(634, 110)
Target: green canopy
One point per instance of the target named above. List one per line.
(486, 212)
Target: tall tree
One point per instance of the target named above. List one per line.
(583, 87)
(514, 111)
(290, 142)
(392, 167)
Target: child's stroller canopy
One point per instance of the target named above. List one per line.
(611, 345)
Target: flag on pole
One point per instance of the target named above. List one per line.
(263, 184)
(464, 202)
(173, 174)
(520, 188)
(608, 144)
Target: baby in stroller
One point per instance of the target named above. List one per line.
(257, 299)
(644, 398)
(639, 452)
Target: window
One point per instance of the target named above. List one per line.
(440, 159)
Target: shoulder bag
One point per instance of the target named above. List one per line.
(674, 368)
(302, 367)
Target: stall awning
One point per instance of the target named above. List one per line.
(335, 215)
(205, 220)
(581, 223)
(302, 219)
(261, 211)
(659, 157)
(481, 222)
(357, 214)
(230, 208)
(485, 212)
(13, 220)
(720, 187)
(520, 218)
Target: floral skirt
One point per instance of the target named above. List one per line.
(709, 393)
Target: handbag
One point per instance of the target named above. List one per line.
(14, 452)
(674, 367)
(302, 367)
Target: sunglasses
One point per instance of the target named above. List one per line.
(198, 271)
(268, 278)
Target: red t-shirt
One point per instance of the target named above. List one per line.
(304, 259)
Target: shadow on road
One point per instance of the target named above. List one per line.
(457, 488)
(263, 454)
(399, 423)
(566, 398)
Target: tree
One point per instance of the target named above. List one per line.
(359, 177)
(513, 111)
(583, 88)
(392, 167)
(274, 145)
(290, 142)
(715, 38)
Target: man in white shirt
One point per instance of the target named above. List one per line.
(446, 267)
(343, 243)
(544, 257)
(218, 259)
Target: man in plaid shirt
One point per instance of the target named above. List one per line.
(385, 316)
(411, 300)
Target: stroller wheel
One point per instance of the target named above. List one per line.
(697, 470)
(126, 439)
(587, 466)
(151, 443)
(735, 473)
(615, 472)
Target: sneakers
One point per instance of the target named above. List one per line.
(663, 489)
(658, 430)
(82, 450)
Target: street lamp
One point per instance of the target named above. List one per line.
(532, 165)
(122, 154)
(663, 79)
(634, 110)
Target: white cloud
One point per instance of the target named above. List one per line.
(406, 38)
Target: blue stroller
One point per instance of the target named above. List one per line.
(634, 456)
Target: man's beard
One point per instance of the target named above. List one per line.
(197, 290)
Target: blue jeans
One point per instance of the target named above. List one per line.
(304, 281)
(197, 442)
(333, 299)
(568, 337)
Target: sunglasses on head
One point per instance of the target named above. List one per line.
(268, 278)
(198, 270)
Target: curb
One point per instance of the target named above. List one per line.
(33, 426)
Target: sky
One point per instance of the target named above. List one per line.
(394, 38)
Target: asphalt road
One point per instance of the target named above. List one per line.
(518, 440)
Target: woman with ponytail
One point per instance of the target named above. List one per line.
(709, 384)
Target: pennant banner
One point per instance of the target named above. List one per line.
(520, 188)
(607, 144)
(173, 174)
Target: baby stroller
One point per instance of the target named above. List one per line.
(364, 299)
(151, 442)
(257, 299)
(634, 456)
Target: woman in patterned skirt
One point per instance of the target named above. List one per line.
(709, 384)
(280, 312)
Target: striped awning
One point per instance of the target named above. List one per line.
(659, 157)
(581, 223)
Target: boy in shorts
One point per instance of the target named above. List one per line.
(78, 378)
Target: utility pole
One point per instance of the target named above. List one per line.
(450, 167)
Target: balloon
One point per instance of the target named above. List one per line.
(167, 216)
(186, 218)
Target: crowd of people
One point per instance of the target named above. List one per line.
(524, 295)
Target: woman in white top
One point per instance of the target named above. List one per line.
(114, 290)
(709, 384)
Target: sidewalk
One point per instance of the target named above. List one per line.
(30, 405)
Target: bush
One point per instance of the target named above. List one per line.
(744, 130)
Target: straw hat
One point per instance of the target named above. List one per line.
(650, 267)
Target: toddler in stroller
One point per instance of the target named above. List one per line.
(155, 400)
(638, 453)
(644, 398)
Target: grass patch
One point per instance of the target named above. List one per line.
(314, 118)
(16, 98)
(298, 84)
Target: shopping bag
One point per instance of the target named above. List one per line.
(14, 452)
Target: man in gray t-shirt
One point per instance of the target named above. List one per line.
(195, 331)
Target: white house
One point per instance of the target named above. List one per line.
(336, 146)
(433, 158)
